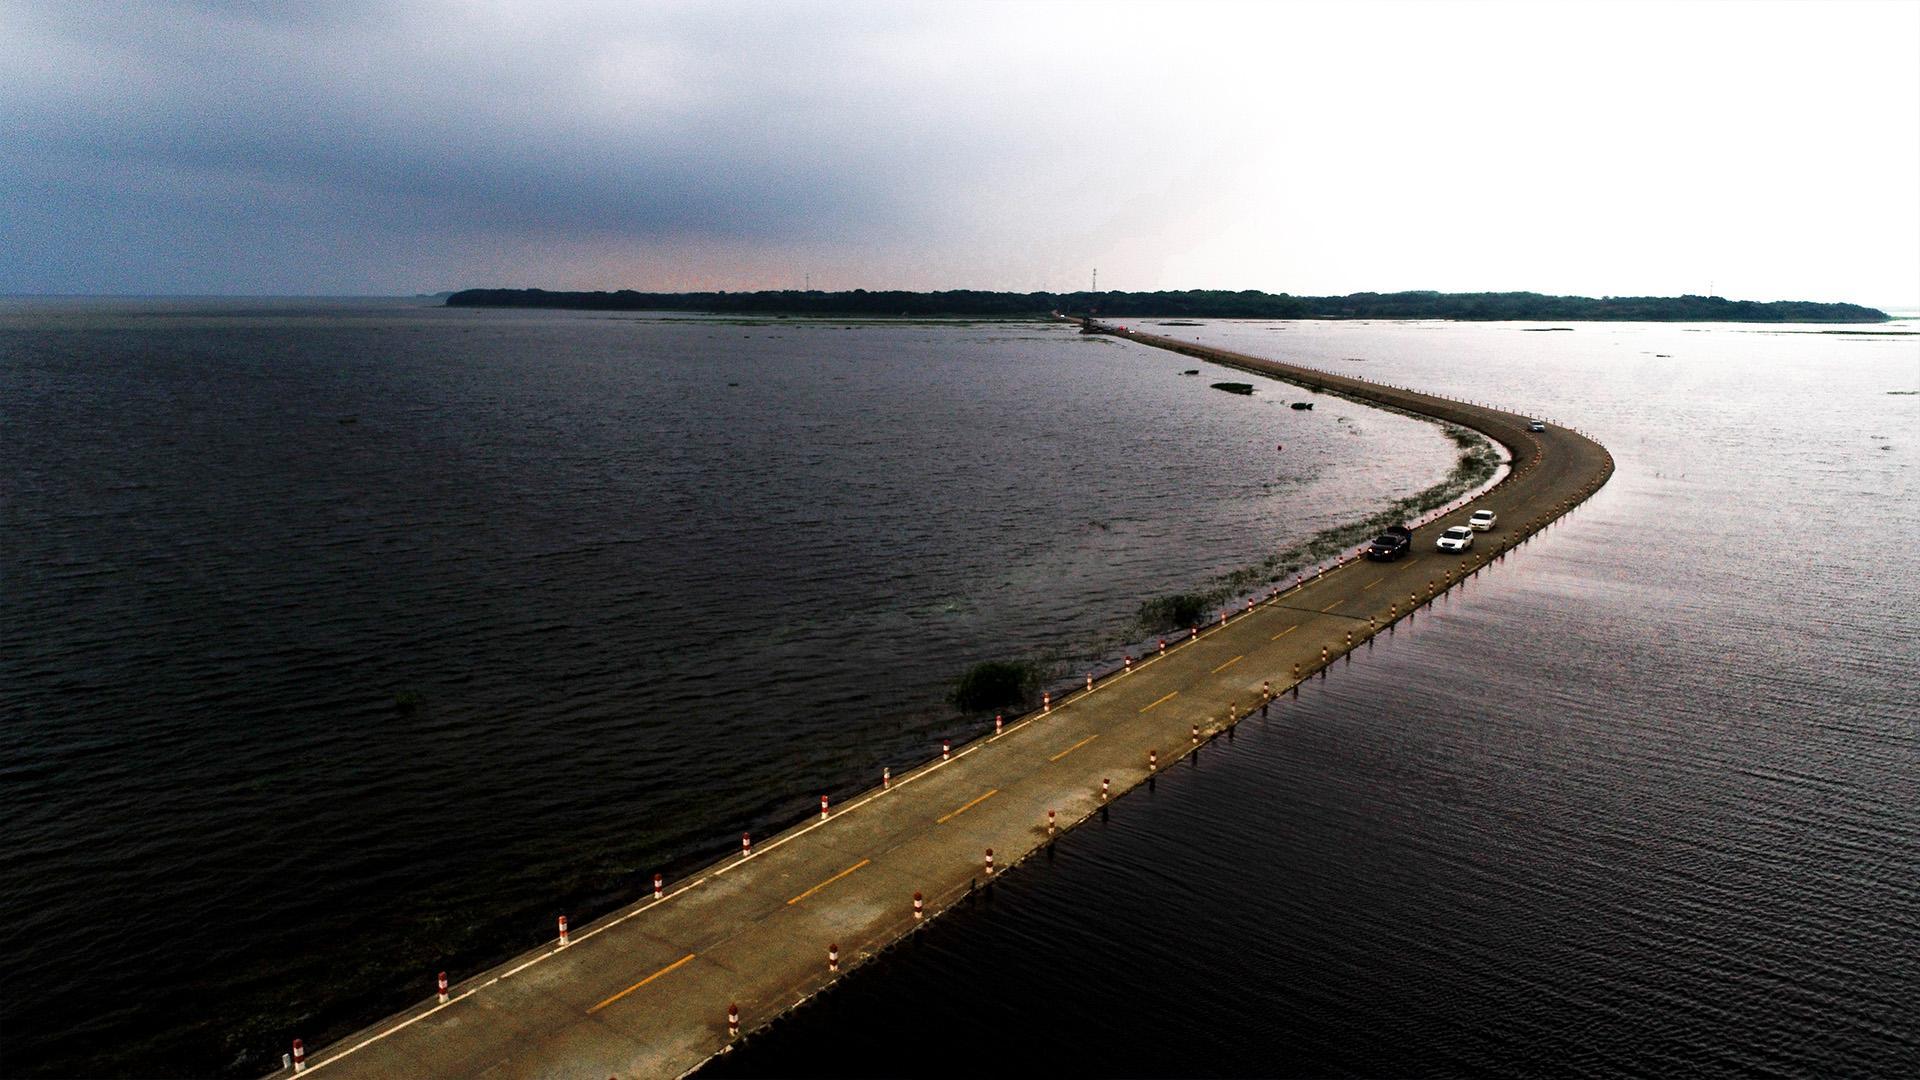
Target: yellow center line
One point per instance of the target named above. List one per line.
(1284, 633)
(830, 881)
(1331, 606)
(1228, 664)
(969, 806)
(641, 983)
(1169, 697)
(1072, 748)
(1372, 583)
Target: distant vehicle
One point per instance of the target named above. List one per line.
(1458, 538)
(1396, 541)
(1536, 425)
(1482, 520)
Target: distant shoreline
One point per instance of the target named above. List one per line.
(1212, 304)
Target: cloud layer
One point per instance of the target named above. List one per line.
(1764, 151)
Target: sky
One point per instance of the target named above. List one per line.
(351, 147)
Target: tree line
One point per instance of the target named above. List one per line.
(1195, 303)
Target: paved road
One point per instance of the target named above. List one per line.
(646, 990)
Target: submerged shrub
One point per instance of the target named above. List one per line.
(1176, 611)
(996, 684)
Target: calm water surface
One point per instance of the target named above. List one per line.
(1644, 800)
(652, 582)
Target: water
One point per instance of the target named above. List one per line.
(1643, 800)
(651, 582)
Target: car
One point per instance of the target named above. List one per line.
(1483, 520)
(1457, 538)
(1396, 541)
(1536, 425)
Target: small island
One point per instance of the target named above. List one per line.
(1192, 303)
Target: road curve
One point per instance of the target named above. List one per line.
(646, 991)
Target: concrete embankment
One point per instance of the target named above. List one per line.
(658, 988)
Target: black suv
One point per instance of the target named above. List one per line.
(1389, 545)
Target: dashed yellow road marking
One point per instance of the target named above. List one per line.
(1372, 583)
(641, 983)
(969, 806)
(1331, 606)
(830, 881)
(1169, 697)
(1228, 664)
(1284, 633)
(1072, 748)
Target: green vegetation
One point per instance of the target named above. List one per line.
(1199, 303)
(1178, 611)
(997, 684)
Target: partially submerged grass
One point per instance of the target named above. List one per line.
(1476, 464)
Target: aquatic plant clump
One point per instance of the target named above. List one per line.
(1176, 611)
(997, 684)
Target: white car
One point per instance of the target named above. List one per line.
(1483, 520)
(1458, 538)
(1536, 425)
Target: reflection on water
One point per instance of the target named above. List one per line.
(646, 583)
(1641, 800)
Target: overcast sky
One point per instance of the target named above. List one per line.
(1761, 151)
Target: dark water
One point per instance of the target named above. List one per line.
(1644, 800)
(641, 608)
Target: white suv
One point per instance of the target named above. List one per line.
(1482, 520)
(1458, 538)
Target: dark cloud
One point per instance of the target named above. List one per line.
(361, 121)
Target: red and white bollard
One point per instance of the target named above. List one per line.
(1223, 617)
(1196, 734)
(1046, 702)
(833, 958)
(1049, 823)
(1193, 632)
(1249, 605)
(919, 908)
(564, 939)
(659, 887)
(1349, 639)
(1126, 663)
(989, 862)
(1163, 646)
(1153, 761)
(1089, 682)
(946, 749)
(746, 845)
(999, 719)
(443, 988)
(823, 808)
(1103, 788)
(1266, 688)
(299, 1056)
(1299, 580)
(1323, 654)
(733, 1021)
